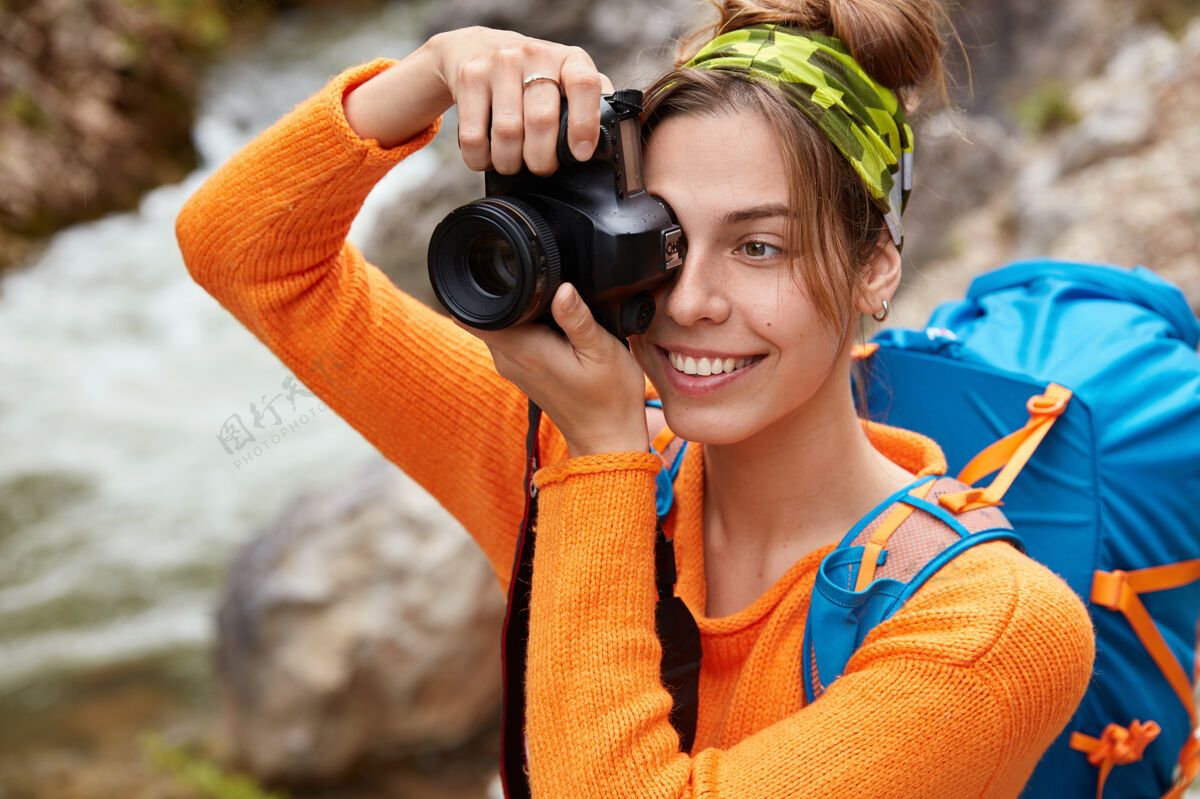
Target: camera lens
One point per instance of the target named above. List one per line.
(494, 263)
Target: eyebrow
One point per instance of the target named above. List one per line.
(754, 212)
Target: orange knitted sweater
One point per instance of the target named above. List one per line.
(957, 695)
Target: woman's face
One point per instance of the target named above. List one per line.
(736, 347)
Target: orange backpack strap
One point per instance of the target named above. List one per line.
(1119, 745)
(860, 352)
(878, 540)
(1119, 590)
(1009, 454)
(1189, 768)
(667, 445)
(1116, 746)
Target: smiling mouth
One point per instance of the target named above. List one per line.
(704, 367)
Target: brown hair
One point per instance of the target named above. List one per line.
(897, 43)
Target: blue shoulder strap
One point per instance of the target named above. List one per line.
(664, 493)
(842, 617)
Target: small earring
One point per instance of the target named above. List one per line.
(880, 316)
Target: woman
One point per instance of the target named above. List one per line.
(790, 236)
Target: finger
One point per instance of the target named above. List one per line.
(508, 122)
(527, 342)
(474, 99)
(582, 84)
(488, 337)
(525, 354)
(581, 329)
(541, 127)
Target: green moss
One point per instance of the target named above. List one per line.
(199, 24)
(1171, 15)
(134, 47)
(197, 772)
(208, 30)
(1047, 108)
(21, 108)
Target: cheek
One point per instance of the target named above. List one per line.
(640, 349)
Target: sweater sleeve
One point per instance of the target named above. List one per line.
(266, 236)
(958, 694)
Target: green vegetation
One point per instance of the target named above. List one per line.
(1172, 15)
(1047, 108)
(22, 108)
(200, 24)
(200, 774)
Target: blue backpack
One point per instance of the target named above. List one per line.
(1096, 369)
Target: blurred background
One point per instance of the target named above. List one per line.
(186, 615)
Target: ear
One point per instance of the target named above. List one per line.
(881, 277)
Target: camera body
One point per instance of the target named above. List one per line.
(497, 262)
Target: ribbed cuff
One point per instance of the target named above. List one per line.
(593, 464)
(334, 97)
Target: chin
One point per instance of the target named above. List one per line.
(710, 425)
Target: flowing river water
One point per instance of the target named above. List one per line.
(120, 499)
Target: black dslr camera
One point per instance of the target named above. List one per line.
(497, 262)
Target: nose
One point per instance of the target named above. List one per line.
(698, 294)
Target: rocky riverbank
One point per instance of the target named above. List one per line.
(1078, 141)
(146, 732)
(1100, 167)
(97, 103)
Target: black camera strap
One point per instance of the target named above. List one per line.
(677, 633)
(515, 639)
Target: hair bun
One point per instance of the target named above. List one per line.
(896, 41)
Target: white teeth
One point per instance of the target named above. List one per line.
(706, 366)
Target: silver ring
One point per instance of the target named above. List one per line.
(534, 77)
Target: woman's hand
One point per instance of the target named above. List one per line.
(502, 123)
(586, 382)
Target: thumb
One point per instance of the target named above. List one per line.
(576, 321)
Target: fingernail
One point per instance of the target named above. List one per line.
(582, 149)
(572, 300)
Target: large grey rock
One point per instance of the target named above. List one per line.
(364, 622)
(959, 161)
(1118, 107)
(621, 36)
(1091, 192)
(1006, 49)
(399, 240)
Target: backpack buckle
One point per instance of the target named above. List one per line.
(1107, 588)
(971, 499)
(1052, 403)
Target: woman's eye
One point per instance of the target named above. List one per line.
(759, 249)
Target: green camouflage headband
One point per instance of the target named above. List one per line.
(863, 119)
